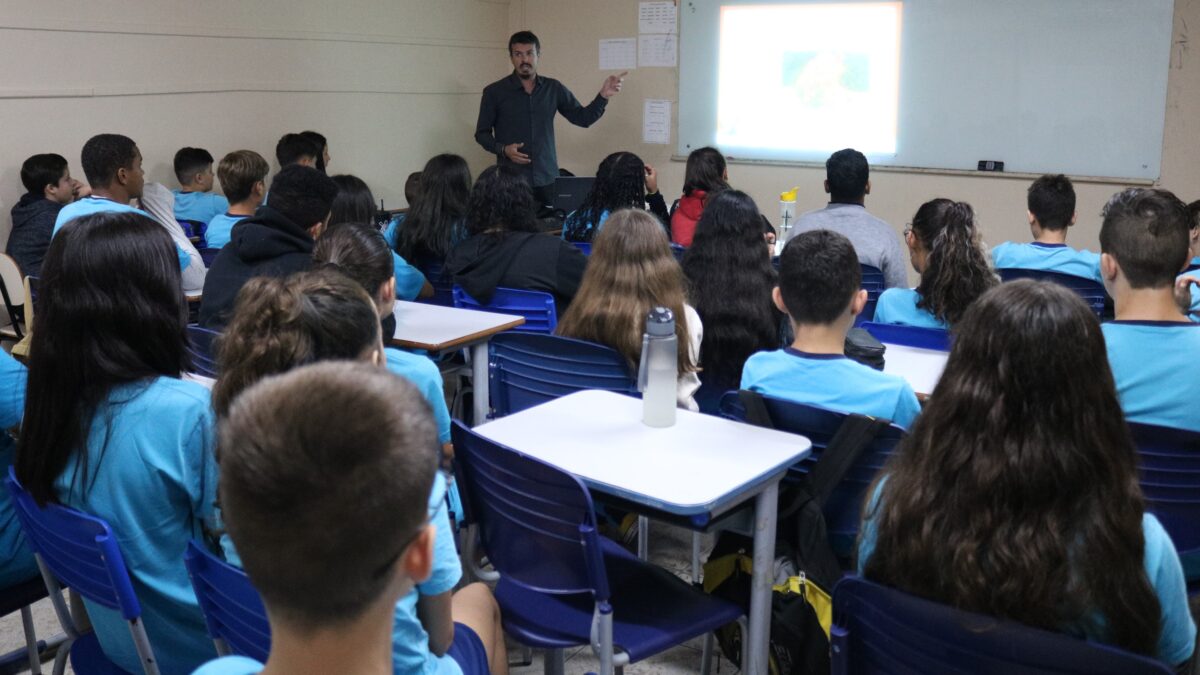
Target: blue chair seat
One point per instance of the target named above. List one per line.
(88, 658)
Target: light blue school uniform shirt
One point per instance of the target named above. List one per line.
(1048, 258)
(831, 381)
(409, 279)
(16, 558)
(92, 204)
(153, 478)
(426, 377)
(230, 665)
(1163, 569)
(198, 206)
(1155, 366)
(899, 306)
(220, 229)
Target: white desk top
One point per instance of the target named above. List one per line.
(922, 368)
(703, 464)
(436, 328)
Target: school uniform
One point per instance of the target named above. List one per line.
(425, 376)
(199, 206)
(409, 279)
(92, 204)
(1155, 366)
(831, 381)
(220, 228)
(1048, 258)
(899, 306)
(152, 475)
(230, 665)
(16, 559)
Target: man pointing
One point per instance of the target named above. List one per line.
(516, 115)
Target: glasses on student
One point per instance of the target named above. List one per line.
(437, 500)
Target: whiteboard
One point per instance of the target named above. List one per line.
(1063, 86)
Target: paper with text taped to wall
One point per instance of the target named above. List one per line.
(657, 17)
(658, 51)
(618, 54)
(656, 122)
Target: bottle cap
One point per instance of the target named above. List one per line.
(660, 322)
(789, 196)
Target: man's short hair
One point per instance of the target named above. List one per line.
(1146, 230)
(1051, 200)
(321, 510)
(104, 154)
(847, 172)
(239, 171)
(818, 276)
(292, 148)
(302, 194)
(189, 162)
(524, 37)
(41, 170)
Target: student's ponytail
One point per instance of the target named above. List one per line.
(956, 267)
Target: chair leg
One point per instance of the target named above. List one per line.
(707, 654)
(643, 538)
(744, 626)
(31, 646)
(555, 662)
(695, 558)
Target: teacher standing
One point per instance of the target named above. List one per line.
(516, 115)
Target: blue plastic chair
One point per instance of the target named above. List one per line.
(194, 229)
(881, 630)
(233, 611)
(909, 336)
(80, 551)
(678, 250)
(585, 247)
(843, 510)
(200, 348)
(561, 583)
(1170, 479)
(1090, 290)
(525, 369)
(872, 283)
(443, 285)
(536, 306)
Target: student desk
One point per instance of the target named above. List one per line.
(921, 368)
(436, 329)
(695, 471)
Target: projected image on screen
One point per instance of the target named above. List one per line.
(809, 77)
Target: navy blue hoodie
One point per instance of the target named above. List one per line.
(32, 224)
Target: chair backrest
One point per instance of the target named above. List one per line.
(909, 336)
(872, 283)
(536, 522)
(678, 250)
(1090, 290)
(236, 619)
(443, 285)
(1170, 478)
(200, 348)
(526, 369)
(536, 306)
(33, 283)
(881, 630)
(843, 510)
(12, 292)
(585, 247)
(194, 229)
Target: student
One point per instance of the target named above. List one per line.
(319, 141)
(297, 149)
(354, 203)
(1016, 492)
(944, 245)
(730, 278)
(276, 241)
(820, 289)
(243, 176)
(848, 182)
(195, 200)
(16, 559)
(111, 429)
(630, 272)
(1051, 202)
(436, 224)
(48, 187)
(505, 247)
(1187, 285)
(622, 181)
(705, 174)
(1144, 244)
(412, 188)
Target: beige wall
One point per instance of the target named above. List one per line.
(570, 30)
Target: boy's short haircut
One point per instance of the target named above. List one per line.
(1147, 231)
(1194, 214)
(189, 162)
(847, 172)
(1051, 199)
(525, 37)
(412, 188)
(104, 154)
(41, 170)
(239, 171)
(320, 512)
(294, 147)
(303, 194)
(818, 276)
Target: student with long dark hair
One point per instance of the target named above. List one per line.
(706, 173)
(436, 222)
(623, 181)
(944, 244)
(354, 203)
(1016, 492)
(112, 430)
(730, 280)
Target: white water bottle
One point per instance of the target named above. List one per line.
(657, 374)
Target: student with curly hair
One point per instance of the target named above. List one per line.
(623, 181)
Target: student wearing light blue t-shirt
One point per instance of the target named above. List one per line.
(820, 289)
(243, 176)
(113, 431)
(354, 203)
(16, 559)
(195, 200)
(1016, 493)
(622, 181)
(943, 243)
(1051, 204)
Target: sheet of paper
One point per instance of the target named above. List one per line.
(618, 54)
(656, 121)
(657, 50)
(657, 17)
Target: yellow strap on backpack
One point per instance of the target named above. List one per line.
(814, 595)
